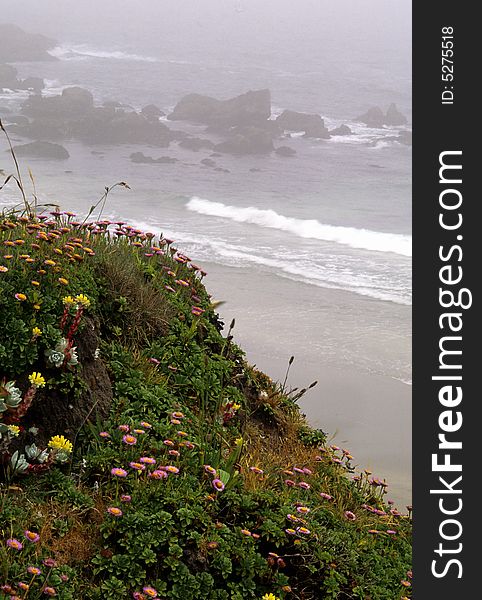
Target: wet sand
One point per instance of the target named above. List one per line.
(357, 348)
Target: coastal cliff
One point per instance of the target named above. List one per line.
(142, 456)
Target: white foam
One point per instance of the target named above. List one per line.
(306, 228)
(83, 52)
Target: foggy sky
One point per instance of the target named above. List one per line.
(270, 25)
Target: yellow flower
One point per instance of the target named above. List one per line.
(21, 297)
(36, 331)
(35, 283)
(238, 441)
(68, 301)
(269, 597)
(63, 281)
(36, 306)
(3, 269)
(236, 406)
(13, 430)
(58, 442)
(36, 379)
(82, 299)
(49, 262)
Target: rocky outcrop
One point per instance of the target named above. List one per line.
(8, 77)
(285, 151)
(17, 45)
(375, 117)
(247, 140)
(9, 80)
(208, 162)
(341, 130)
(152, 112)
(73, 103)
(140, 157)
(73, 115)
(251, 108)
(34, 84)
(312, 125)
(195, 144)
(394, 116)
(40, 149)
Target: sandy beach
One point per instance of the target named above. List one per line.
(363, 398)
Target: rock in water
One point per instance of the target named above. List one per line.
(312, 125)
(285, 151)
(45, 150)
(8, 77)
(208, 162)
(36, 84)
(195, 144)
(247, 140)
(342, 130)
(18, 46)
(394, 116)
(374, 117)
(152, 112)
(141, 158)
(250, 108)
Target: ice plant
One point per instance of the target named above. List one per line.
(114, 511)
(36, 379)
(149, 591)
(14, 544)
(349, 515)
(60, 443)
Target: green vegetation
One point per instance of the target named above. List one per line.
(142, 457)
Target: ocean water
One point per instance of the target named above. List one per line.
(337, 216)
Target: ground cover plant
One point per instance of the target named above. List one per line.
(141, 456)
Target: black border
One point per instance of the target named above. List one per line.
(444, 127)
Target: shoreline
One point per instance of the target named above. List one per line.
(367, 411)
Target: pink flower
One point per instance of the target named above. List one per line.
(149, 591)
(118, 472)
(172, 469)
(31, 536)
(114, 511)
(137, 466)
(304, 485)
(289, 482)
(124, 428)
(14, 544)
(218, 485)
(349, 515)
(104, 434)
(125, 498)
(326, 496)
(158, 474)
(49, 591)
(147, 460)
(130, 440)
